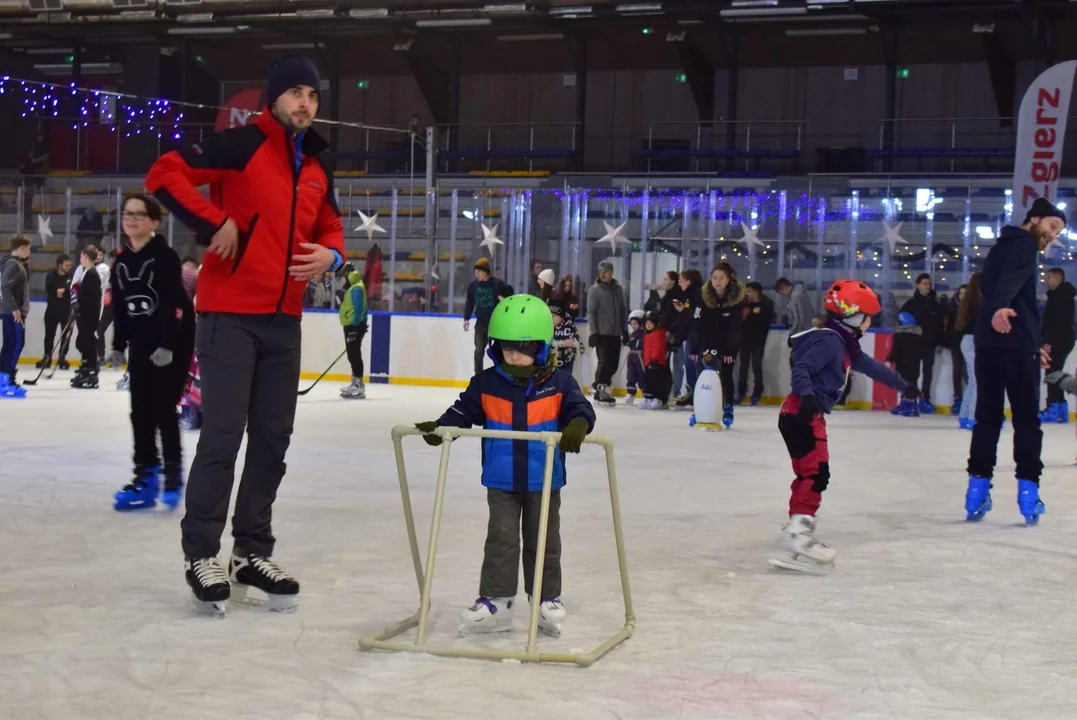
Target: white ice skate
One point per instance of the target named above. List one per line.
(630, 399)
(801, 551)
(355, 391)
(551, 616)
(487, 615)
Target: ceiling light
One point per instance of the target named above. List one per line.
(292, 46)
(754, 3)
(763, 12)
(138, 15)
(202, 31)
(639, 7)
(195, 18)
(570, 10)
(49, 51)
(505, 8)
(463, 22)
(368, 12)
(403, 46)
(821, 32)
(316, 14)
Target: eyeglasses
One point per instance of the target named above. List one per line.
(136, 215)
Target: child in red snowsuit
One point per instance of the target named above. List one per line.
(656, 376)
(822, 358)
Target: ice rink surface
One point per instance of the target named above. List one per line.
(926, 616)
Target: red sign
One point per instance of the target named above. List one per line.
(239, 109)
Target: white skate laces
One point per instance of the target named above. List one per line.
(209, 572)
(268, 568)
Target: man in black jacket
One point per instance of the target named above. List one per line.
(758, 316)
(1009, 357)
(925, 307)
(1058, 339)
(57, 310)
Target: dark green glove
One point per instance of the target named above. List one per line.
(429, 427)
(573, 434)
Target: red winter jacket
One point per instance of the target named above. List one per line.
(252, 179)
(654, 347)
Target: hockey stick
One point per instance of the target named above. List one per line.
(304, 392)
(52, 370)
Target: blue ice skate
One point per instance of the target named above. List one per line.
(1048, 415)
(727, 416)
(190, 418)
(955, 407)
(977, 498)
(906, 408)
(966, 423)
(9, 389)
(141, 494)
(1028, 501)
(926, 408)
(756, 399)
(173, 491)
(1056, 413)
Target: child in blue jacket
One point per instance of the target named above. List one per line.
(524, 391)
(822, 359)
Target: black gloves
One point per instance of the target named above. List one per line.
(429, 427)
(573, 434)
(809, 408)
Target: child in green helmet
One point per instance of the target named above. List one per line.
(523, 391)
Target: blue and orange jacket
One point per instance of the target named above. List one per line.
(497, 402)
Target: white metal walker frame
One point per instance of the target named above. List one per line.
(382, 640)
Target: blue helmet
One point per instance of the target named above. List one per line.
(906, 318)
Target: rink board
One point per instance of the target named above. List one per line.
(435, 351)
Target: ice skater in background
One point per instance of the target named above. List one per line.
(657, 379)
(634, 371)
(353, 318)
(566, 338)
(905, 354)
(523, 391)
(87, 318)
(154, 321)
(822, 357)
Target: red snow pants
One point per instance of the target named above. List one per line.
(807, 446)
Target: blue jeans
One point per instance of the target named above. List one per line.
(14, 336)
(676, 363)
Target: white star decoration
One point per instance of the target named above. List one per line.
(43, 230)
(893, 236)
(370, 225)
(613, 235)
(490, 238)
(751, 236)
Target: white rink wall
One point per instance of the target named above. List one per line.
(434, 350)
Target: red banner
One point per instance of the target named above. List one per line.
(239, 109)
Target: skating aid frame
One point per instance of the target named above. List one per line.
(382, 640)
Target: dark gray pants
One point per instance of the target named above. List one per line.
(250, 376)
(482, 339)
(501, 562)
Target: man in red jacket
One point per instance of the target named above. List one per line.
(272, 223)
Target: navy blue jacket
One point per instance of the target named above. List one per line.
(821, 358)
(1008, 280)
(497, 402)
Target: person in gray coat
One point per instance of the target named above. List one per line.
(607, 317)
(800, 310)
(14, 307)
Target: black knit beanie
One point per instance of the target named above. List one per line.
(288, 72)
(1043, 208)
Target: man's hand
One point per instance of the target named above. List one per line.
(1000, 321)
(314, 264)
(467, 325)
(225, 241)
(59, 292)
(1045, 358)
(18, 317)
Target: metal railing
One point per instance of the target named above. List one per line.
(531, 140)
(382, 640)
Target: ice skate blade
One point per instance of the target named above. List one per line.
(210, 608)
(553, 631)
(124, 507)
(487, 629)
(808, 568)
(273, 603)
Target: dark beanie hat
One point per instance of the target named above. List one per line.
(1043, 208)
(288, 72)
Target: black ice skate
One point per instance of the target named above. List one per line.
(262, 573)
(85, 380)
(209, 584)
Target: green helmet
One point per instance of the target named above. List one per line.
(520, 318)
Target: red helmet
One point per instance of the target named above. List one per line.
(846, 298)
